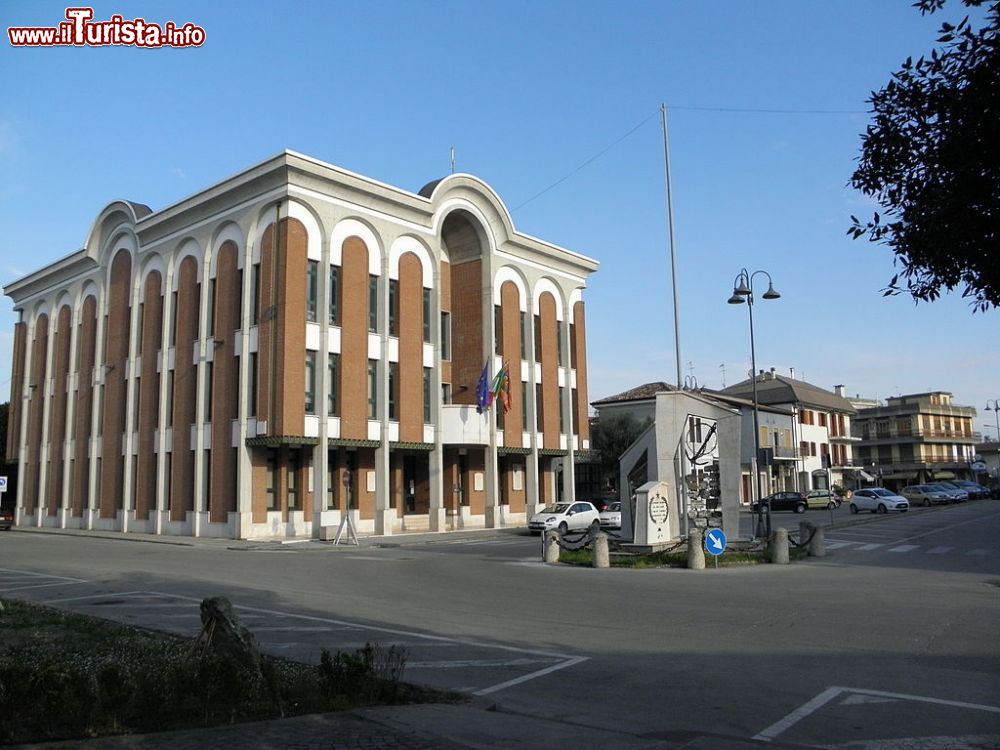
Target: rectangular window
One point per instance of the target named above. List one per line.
(497, 329)
(252, 389)
(393, 307)
(173, 319)
(207, 416)
(538, 338)
(310, 383)
(211, 307)
(446, 336)
(524, 406)
(312, 290)
(427, 395)
(560, 356)
(393, 389)
(574, 397)
(372, 389)
(271, 482)
(572, 345)
(446, 393)
(331, 482)
(562, 410)
(332, 384)
(373, 303)
(170, 398)
(255, 295)
(294, 466)
(333, 309)
(524, 337)
(427, 316)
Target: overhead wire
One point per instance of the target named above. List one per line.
(738, 110)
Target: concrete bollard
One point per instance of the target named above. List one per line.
(779, 546)
(551, 546)
(696, 553)
(601, 557)
(817, 547)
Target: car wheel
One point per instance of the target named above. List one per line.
(881, 508)
(563, 528)
(595, 526)
(831, 505)
(800, 508)
(854, 508)
(927, 502)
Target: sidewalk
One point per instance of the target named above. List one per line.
(413, 727)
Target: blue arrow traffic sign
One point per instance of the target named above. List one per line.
(715, 542)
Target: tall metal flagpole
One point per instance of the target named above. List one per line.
(677, 321)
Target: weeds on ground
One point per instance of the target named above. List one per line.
(66, 676)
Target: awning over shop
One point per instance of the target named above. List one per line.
(864, 475)
(904, 475)
(944, 475)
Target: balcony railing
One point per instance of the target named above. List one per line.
(882, 435)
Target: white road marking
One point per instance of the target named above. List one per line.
(869, 547)
(806, 709)
(812, 706)
(40, 575)
(104, 595)
(838, 545)
(905, 548)
(473, 663)
(939, 550)
(945, 528)
(855, 700)
(37, 586)
(978, 552)
(534, 675)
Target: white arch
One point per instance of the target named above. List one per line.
(151, 263)
(41, 308)
(314, 235)
(122, 239)
(483, 223)
(410, 244)
(230, 231)
(89, 289)
(355, 228)
(575, 296)
(546, 284)
(509, 273)
(188, 248)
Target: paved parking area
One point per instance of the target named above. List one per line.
(465, 666)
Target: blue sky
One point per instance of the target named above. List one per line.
(527, 92)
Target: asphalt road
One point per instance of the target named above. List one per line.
(888, 642)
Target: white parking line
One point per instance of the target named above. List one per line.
(812, 706)
(978, 552)
(905, 548)
(37, 586)
(939, 550)
(869, 547)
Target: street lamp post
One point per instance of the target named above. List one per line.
(743, 292)
(996, 413)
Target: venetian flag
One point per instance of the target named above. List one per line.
(483, 393)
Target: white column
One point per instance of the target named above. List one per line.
(131, 399)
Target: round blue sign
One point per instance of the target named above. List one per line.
(715, 542)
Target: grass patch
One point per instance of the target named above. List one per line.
(673, 559)
(66, 676)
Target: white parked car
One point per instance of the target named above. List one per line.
(611, 518)
(878, 500)
(565, 517)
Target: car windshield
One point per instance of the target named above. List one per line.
(557, 508)
(615, 507)
(883, 493)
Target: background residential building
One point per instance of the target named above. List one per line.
(821, 429)
(916, 438)
(291, 345)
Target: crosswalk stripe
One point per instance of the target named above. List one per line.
(838, 545)
(939, 550)
(905, 548)
(869, 547)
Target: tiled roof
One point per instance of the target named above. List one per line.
(645, 392)
(777, 389)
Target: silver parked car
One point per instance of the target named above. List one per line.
(877, 500)
(611, 518)
(955, 493)
(925, 495)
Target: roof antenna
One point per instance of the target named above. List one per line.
(453, 160)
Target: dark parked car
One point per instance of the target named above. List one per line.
(793, 501)
(6, 516)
